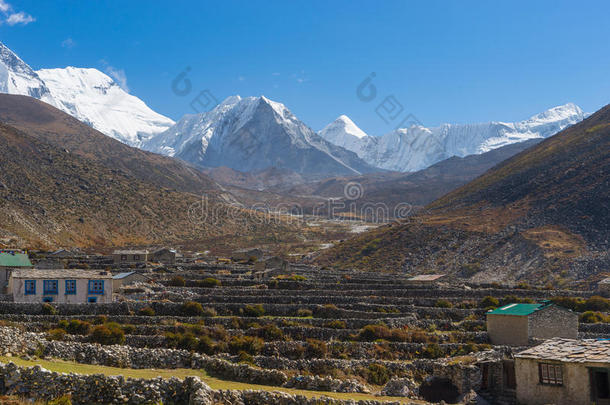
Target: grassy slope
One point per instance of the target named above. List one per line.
(214, 383)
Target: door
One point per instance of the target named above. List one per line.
(508, 367)
(600, 386)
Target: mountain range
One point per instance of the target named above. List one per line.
(539, 216)
(418, 147)
(87, 94)
(255, 133)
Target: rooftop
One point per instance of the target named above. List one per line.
(570, 350)
(14, 259)
(130, 252)
(120, 276)
(426, 277)
(61, 274)
(517, 309)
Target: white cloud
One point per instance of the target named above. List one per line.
(118, 75)
(13, 18)
(68, 43)
(19, 18)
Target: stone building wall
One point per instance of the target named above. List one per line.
(507, 330)
(551, 322)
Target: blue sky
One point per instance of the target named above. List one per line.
(443, 61)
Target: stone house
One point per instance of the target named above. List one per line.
(165, 256)
(521, 324)
(564, 372)
(66, 286)
(243, 255)
(603, 287)
(130, 256)
(121, 279)
(11, 260)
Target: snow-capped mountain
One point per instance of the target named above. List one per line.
(418, 147)
(87, 94)
(95, 99)
(254, 133)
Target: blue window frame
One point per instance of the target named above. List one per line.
(92, 300)
(96, 286)
(50, 287)
(70, 287)
(30, 287)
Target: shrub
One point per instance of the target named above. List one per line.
(441, 303)
(77, 327)
(147, 311)
(304, 313)
(100, 320)
(206, 345)
(188, 342)
(316, 348)
(48, 309)
(245, 358)
(190, 308)
(336, 324)
(56, 334)
(248, 344)
(327, 311)
(489, 302)
(377, 374)
(108, 334)
(254, 310)
(433, 351)
(593, 317)
(208, 283)
(371, 333)
(597, 303)
(63, 400)
(270, 332)
(177, 281)
(209, 312)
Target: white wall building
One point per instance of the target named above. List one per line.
(61, 286)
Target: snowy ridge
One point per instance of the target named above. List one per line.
(415, 148)
(253, 133)
(87, 94)
(94, 98)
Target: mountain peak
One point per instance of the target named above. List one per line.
(342, 131)
(561, 112)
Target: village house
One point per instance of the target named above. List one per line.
(11, 260)
(519, 324)
(425, 279)
(603, 287)
(243, 255)
(165, 256)
(130, 256)
(127, 278)
(564, 372)
(66, 286)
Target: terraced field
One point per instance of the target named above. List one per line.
(308, 329)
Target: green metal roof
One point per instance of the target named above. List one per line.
(8, 259)
(517, 309)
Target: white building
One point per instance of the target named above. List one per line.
(61, 286)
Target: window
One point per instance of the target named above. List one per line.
(70, 287)
(96, 286)
(550, 374)
(136, 257)
(92, 300)
(123, 258)
(50, 287)
(30, 287)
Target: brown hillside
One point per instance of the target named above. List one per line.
(45, 122)
(541, 215)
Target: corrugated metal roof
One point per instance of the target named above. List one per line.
(123, 275)
(517, 309)
(426, 277)
(8, 259)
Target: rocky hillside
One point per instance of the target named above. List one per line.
(48, 124)
(64, 184)
(539, 216)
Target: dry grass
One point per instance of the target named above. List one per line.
(61, 366)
